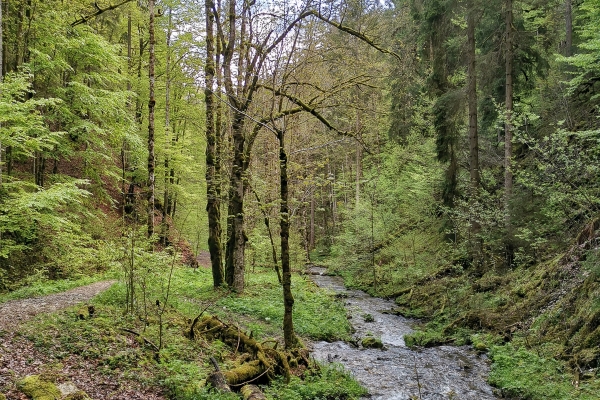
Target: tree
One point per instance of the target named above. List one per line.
(213, 206)
(1, 78)
(151, 106)
(508, 105)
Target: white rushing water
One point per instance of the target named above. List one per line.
(397, 372)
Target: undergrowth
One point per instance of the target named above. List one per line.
(122, 345)
(539, 323)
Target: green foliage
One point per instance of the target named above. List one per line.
(561, 175)
(22, 125)
(395, 219)
(585, 61)
(183, 363)
(316, 314)
(330, 382)
(523, 374)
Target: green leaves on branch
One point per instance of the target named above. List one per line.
(22, 124)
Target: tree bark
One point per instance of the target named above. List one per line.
(311, 238)
(168, 133)
(508, 127)
(151, 104)
(236, 243)
(284, 218)
(472, 95)
(569, 28)
(213, 201)
(473, 132)
(1, 77)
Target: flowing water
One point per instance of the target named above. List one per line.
(397, 372)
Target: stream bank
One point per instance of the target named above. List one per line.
(397, 372)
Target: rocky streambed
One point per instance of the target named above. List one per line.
(397, 372)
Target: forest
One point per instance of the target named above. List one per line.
(176, 169)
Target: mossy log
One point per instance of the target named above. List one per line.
(247, 372)
(252, 392)
(266, 362)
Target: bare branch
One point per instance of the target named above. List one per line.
(86, 18)
(354, 33)
(314, 112)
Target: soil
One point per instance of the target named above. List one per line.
(204, 259)
(19, 357)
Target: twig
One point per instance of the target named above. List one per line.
(148, 342)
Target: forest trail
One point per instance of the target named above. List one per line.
(19, 357)
(15, 312)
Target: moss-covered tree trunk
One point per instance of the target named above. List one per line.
(284, 221)
(236, 242)
(168, 132)
(213, 206)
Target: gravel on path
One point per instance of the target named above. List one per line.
(15, 312)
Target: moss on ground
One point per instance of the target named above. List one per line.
(122, 345)
(37, 389)
(545, 317)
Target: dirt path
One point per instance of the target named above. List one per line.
(19, 357)
(14, 312)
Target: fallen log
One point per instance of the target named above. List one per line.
(265, 362)
(246, 373)
(252, 392)
(217, 379)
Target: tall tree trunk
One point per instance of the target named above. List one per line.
(236, 242)
(1, 77)
(124, 143)
(213, 201)
(472, 95)
(569, 28)
(508, 127)
(151, 104)
(168, 133)
(138, 103)
(358, 165)
(473, 133)
(284, 218)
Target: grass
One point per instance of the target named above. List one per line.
(103, 345)
(540, 323)
(523, 374)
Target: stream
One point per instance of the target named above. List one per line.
(397, 372)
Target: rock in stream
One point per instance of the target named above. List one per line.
(397, 372)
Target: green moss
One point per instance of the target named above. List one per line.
(426, 338)
(370, 342)
(2, 397)
(37, 389)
